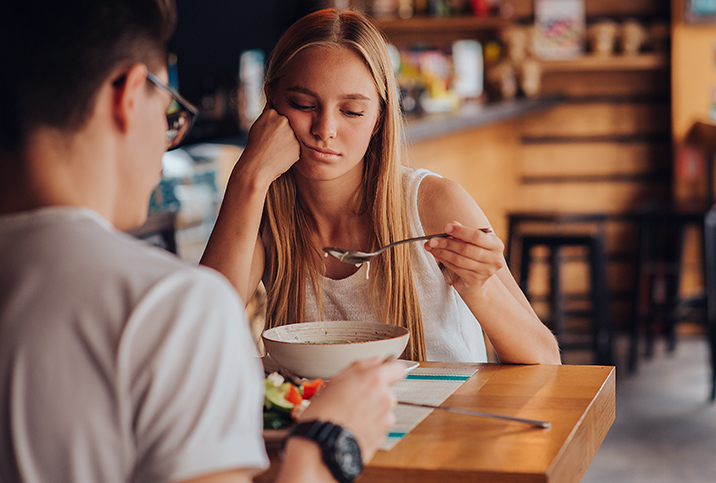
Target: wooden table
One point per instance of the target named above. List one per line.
(446, 447)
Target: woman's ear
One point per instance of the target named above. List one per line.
(127, 95)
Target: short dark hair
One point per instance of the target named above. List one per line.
(56, 54)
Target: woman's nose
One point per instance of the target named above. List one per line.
(324, 125)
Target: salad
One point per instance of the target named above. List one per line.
(285, 401)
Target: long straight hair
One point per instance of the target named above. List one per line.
(291, 260)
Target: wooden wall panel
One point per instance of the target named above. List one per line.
(601, 119)
(621, 238)
(595, 159)
(607, 83)
(483, 161)
(598, 197)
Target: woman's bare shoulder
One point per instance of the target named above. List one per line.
(442, 200)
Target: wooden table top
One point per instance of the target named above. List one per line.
(446, 447)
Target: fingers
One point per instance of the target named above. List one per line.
(272, 145)
(469, 248)
(360, 399)
(474, 235)
(468, 257)
(388, 371)
(469, 253)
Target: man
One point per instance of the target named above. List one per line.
(118, 362)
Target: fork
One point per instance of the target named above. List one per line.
(355, 257)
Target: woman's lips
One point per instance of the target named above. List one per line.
(325, 154)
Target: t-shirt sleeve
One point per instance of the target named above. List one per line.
(195, 380)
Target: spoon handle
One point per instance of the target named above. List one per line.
(428, 237)
(417, 238)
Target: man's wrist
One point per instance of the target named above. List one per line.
(302, 461)
(339, 449)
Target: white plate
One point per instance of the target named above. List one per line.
(409, 365)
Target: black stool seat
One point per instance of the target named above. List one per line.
(601, 340)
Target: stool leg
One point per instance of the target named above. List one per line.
(640, 295)
(710, 269)
(673, 299)
(511, 237)
(556, 294)
(712, 352)
(600, 300)
(655, 284)
(525, 267)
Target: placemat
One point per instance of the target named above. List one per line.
(423, 386)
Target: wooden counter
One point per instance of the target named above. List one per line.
(579, 401)
(474, 115)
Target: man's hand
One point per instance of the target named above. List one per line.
(360, 399)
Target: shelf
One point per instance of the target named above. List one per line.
(606, 8)
(439, 30)
(616, 62)
(440, 24)
(471, 116)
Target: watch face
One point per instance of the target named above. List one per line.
(348, 454)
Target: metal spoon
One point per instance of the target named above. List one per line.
(355, 257)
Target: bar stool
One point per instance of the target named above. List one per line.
(658, 275)
(659, 269)
(555, 239)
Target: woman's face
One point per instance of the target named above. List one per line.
(330, 100)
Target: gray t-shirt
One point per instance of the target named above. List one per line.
(118, 361)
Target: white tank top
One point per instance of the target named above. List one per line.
(452, 333)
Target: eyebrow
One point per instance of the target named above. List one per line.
(308, 92)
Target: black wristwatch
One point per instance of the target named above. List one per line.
(340, 449)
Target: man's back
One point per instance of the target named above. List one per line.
(102, 341)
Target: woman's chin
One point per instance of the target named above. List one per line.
(322, 171)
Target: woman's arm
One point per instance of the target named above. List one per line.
(479, 273)
(234, 247)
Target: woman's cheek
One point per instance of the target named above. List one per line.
(365, 133)
(300, 122)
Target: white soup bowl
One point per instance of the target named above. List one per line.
(323, 349)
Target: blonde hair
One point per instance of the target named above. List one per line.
(291, 260)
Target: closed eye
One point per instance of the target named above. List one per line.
(353, 113)
(300, 107)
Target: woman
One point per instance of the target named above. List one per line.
(322, 167)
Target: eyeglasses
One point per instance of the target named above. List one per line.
(180, 115)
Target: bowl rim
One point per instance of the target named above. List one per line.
(405, 332)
